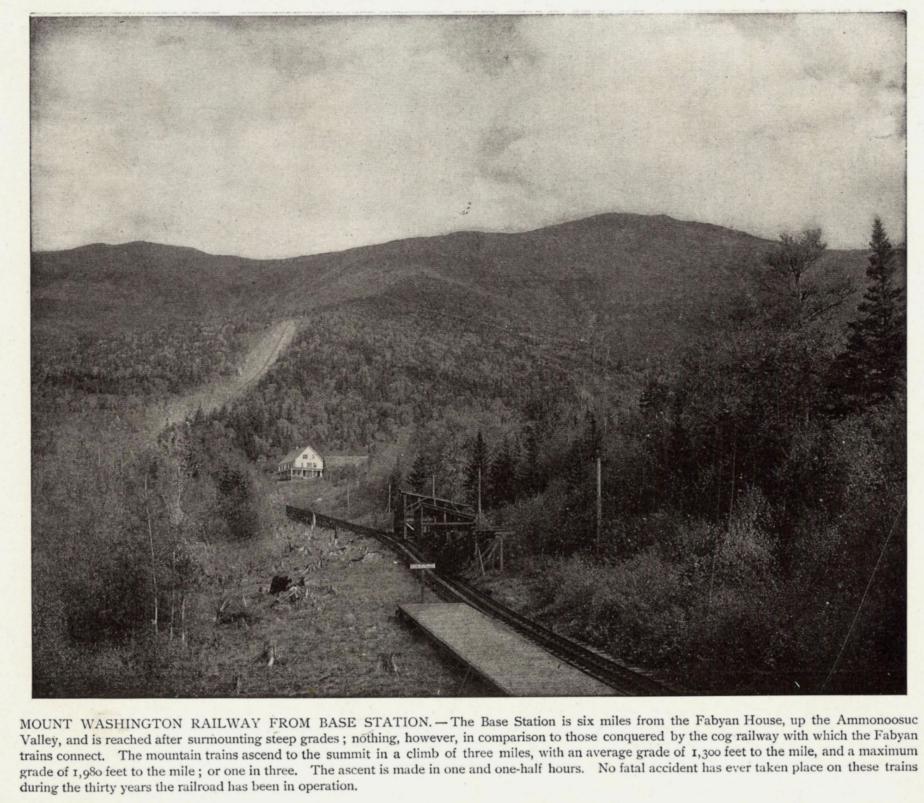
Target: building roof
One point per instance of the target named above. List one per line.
(292, 456)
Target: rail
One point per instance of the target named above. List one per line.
(623, 679)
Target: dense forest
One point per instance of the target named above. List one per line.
(752, 536)
(132, 365)
(363, 374)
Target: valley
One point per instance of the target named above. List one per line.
(662, 361)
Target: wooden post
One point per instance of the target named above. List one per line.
(388, 501)
(599, 502)
(731, 497)
(479, 493)
(147, 511)
(404, 517)
(501, 553)
(418, 523)
(172, 590)
(348, 499)
(420, 568)
(183, 619)
(433, 487)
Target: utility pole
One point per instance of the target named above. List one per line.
(388, 503)
(479, 493)
(348, 499)
(433, 486)
(599, 500)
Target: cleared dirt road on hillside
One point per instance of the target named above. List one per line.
(213, 395)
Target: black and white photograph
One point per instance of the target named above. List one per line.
(468, 356)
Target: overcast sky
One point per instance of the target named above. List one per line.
(282, 136)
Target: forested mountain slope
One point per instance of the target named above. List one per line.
(647, 278)
(745, 398)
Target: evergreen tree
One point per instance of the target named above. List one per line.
(237, 501)
(477, 467)
(593, 440)
(529, 479)
(395, 479)
(502, 480)
(417, 479)
(583, 453)
(871, 368)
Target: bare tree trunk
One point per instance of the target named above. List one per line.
(172, 591)
(183, 618)
(715, 554)
(718, 537)
(731, 500)
(147, 510)
(599, 509)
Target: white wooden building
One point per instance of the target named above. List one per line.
(301, 463)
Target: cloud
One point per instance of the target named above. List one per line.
(497, 160)
(279, 136)
(494, 45)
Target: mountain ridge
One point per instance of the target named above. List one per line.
(642, 278)
(598, 217)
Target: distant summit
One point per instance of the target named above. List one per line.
(645, 277)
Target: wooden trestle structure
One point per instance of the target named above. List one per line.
(449, 532)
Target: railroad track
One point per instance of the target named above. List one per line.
(623, 679)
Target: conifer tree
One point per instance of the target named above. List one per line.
(528, 475)
(477, 467)
(395, 478)
(871, 368)
(503, 474)
(417, 479)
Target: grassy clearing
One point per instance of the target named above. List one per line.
(334, 634)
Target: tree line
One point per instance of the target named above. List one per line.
(752, 483)
(751, 491)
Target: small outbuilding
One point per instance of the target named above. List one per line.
(345, 460)
(301, 463)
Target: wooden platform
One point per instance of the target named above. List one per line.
(500, 655)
